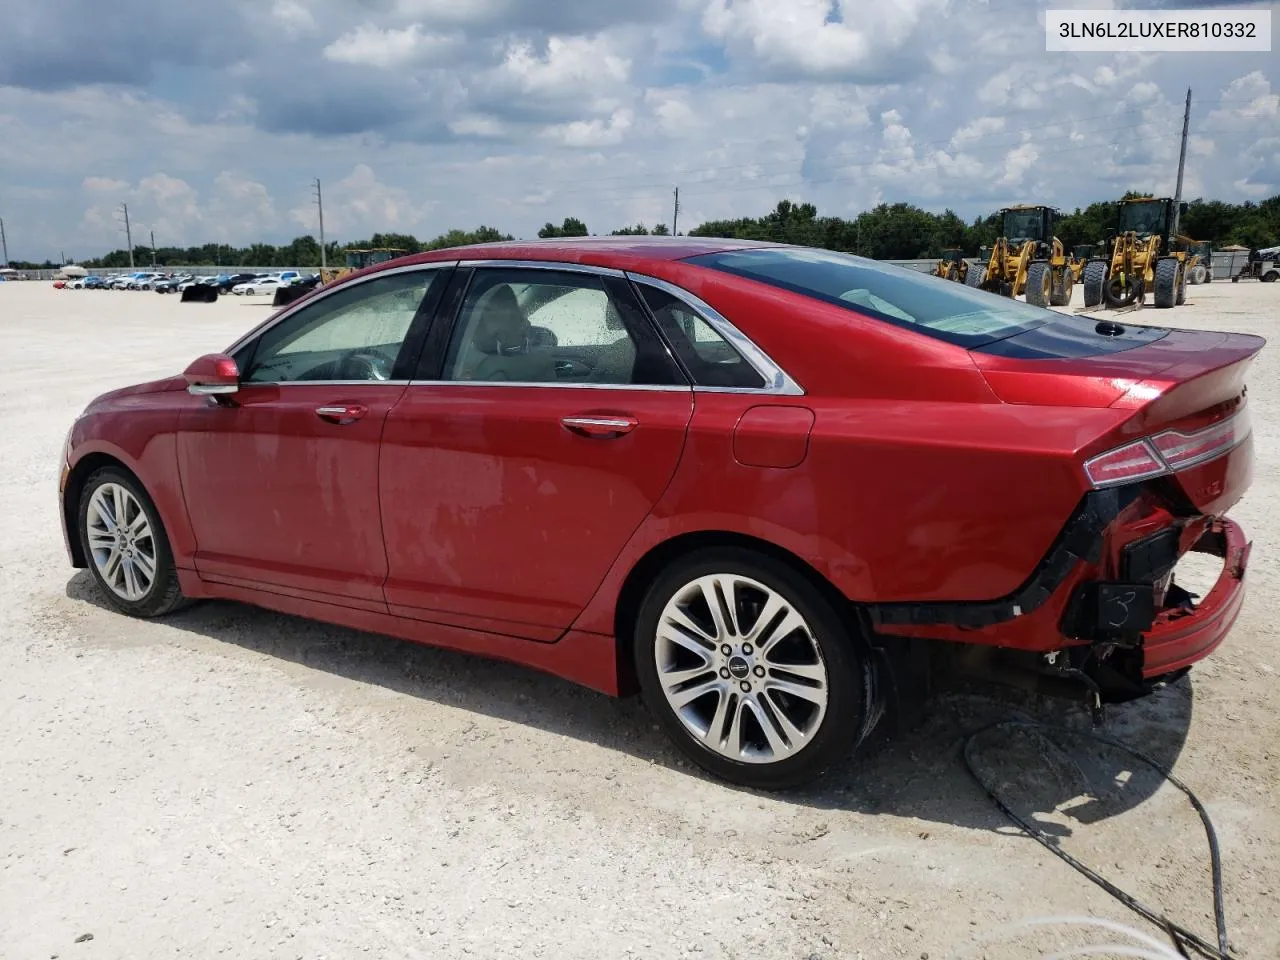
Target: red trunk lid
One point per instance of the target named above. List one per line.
(1186, 380)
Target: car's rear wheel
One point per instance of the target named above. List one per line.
(126, 546)
(751, 670)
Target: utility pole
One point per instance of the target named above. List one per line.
(4, 243)
(127, 232)
(675, 213)
(1182, 162)
(153, 249)
(320, 206)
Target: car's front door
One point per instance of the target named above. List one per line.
(281, 483)
(535, 443)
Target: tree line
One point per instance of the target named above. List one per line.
(889, 231)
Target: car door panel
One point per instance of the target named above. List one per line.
(496, 513)
(281, 478)
(285, 493)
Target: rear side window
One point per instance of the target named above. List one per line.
(710, 359)
(929, 305)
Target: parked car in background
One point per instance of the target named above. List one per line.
(171, 284)
(258, 286)
(767, 486)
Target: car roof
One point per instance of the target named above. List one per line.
(621, 252)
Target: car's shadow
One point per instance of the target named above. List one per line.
(919, 772)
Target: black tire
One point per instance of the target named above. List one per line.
(1039, 284)
(1122, 290)
(977, 273)
(852, 707)
(164, 595)
(1271, 276)
(1166, 285)
(1094, 280)
(1182, 285)
(1061, 295)
(1200, 274)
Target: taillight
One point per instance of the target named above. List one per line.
(1180, 450)
(1166, 452)
(1133, 461)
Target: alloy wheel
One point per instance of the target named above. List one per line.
(740, 667)
(121, 541)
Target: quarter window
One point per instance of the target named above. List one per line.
(352, 334)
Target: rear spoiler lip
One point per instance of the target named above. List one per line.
(1143, 392)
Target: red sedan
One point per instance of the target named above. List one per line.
(768, 485)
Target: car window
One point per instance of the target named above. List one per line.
(710, 359)
(354, 333)
(545, 326)
(921, 302)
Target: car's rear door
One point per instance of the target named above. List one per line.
(519, 463)
(281, 484)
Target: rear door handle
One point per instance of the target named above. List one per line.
(342, 413)
(600, 427)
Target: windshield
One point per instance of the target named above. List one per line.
(1143, 219)
(1023, 224)
(906, 298)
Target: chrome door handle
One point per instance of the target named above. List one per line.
(342, 413)
(600, 427)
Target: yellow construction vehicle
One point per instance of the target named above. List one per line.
(1139, 256)
(1200, 262)
(952, 266)
(357, 259)
(1081, 254)
(1027, 258)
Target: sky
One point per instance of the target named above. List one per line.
(211, 120)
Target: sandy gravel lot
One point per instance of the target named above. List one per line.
(230, 782)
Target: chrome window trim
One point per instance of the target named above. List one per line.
(646, 387)
(291, 309)
(563, 266)
(777, 381)
(244, 384)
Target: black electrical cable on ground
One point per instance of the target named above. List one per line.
(1182, 937)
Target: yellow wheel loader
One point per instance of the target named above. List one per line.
(1140, 256)
(1027, 259)
(1200, 261)
(952, 266)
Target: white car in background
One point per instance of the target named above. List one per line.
(259, 286)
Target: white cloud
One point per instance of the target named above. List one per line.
(370, 46)
(801, 37)
(571, 65)
(360, 204)
(593, 133)
(477, 125)
(293, 17)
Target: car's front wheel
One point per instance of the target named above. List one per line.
(125, 544)
(751, 670)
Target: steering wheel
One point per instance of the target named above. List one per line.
(365, 366)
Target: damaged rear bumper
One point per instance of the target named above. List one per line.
(1102, 606)
(1179, 636)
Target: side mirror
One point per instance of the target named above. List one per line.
(214, 374)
